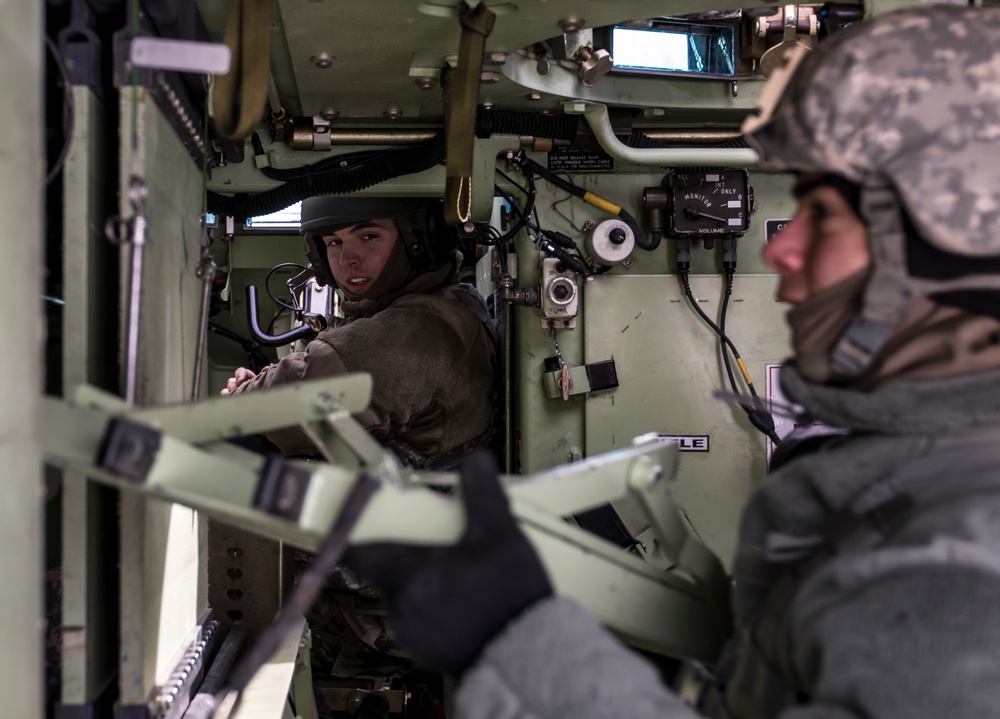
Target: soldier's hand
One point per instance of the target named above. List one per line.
(240, 377)
(446, 603)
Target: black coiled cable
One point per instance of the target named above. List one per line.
(337, 181)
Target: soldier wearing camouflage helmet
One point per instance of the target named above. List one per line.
(868, 567)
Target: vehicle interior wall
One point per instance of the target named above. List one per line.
(173, 562)
(21, 213)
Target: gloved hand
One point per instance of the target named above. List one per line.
(446, 603)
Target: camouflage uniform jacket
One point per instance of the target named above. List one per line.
(904, 626)
(430, 359)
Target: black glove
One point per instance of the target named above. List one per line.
(446, 603)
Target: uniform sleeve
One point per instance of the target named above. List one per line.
(903, 632)
(556, 662)
(319, 359)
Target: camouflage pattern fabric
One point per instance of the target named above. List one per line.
(350, 632)
(908, 100)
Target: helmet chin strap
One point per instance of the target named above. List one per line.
(888, 291)
(890, 286)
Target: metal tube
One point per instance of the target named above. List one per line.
(134, 308)
(706, 136)
(508, 389)
(597, 117)
(380, 137)
(207, 272)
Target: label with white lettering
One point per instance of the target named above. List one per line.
(573, 159)
(689, 442)
(773, 227)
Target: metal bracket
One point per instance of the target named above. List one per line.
(676, 612)
(584, 379)
(129, 449)
(180, 55)
(81, 49)
(282, 488)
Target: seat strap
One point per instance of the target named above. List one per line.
(461, 95)
(238, 97)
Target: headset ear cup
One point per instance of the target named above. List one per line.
(442, 237)
(318, 261)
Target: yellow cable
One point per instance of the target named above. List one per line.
(743, 369)
(600, 202)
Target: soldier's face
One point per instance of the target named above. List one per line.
(359, 253)
(824, 243)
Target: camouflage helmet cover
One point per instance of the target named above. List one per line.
(910, 101)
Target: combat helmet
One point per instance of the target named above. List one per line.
(428, 239)
(907, 108)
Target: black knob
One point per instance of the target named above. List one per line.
(617, 236)
(560, 292)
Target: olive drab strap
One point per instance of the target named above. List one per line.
(461, 94)
(887, 292)
(239, 96)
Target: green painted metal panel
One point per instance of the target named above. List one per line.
(88, 613)
(668, 366)
(163, 565)
(22, 240)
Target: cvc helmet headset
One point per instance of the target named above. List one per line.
(428, 239)
(904, 109)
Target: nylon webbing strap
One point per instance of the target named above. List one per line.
(461, 95)
(886, 293)
(239, 95)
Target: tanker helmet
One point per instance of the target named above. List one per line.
(428, 239)
(906, 107)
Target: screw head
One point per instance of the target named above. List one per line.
(322, 61)
(534, 96)
(329, 114)
(571, 24)
(628, 261)
(425, 83)
(393, 113)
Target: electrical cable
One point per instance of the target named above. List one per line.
(590, 198)
(267, 285)
(382, 166)
(727, 294)
(338, 163)
(70, 112)
(757, 413)
(255, 358)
